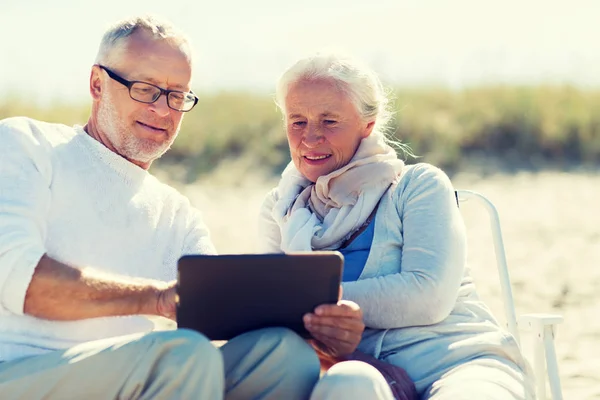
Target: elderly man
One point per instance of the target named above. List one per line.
(89, 242)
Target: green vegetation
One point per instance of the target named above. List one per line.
(515, 126)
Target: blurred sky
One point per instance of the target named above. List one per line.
(48, 46)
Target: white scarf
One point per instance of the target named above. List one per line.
(322, 215)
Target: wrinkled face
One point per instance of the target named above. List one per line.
(137, 131)
(323, 127)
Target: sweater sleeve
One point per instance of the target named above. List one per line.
(25, 179)
(269, 235)
(197, 240)
(433, 257)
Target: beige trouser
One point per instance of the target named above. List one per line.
(270, 363)
(350, 380)
(482, 378)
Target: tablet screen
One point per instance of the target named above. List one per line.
(223, 296)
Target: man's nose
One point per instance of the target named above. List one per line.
(160, 106)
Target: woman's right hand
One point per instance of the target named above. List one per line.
(336, 328)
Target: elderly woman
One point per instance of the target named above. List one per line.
(400, 231)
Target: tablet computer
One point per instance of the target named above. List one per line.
(223, 296)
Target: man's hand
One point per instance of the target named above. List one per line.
(166, 300)
(337, 328)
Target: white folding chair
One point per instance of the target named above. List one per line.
(542, 325)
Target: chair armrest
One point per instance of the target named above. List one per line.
(538, 321)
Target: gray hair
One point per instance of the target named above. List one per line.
(357, 81)
(115, 35)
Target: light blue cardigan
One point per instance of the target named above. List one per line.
(419, 303)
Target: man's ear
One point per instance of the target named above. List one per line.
(96, 82)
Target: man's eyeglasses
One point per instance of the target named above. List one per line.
(145, 92)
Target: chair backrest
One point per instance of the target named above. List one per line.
(463, 196)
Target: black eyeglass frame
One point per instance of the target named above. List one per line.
(113, 75)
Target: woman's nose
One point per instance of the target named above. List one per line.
(313, 137)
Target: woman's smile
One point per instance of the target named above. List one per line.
(316, 159)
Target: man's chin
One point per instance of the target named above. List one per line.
(145, 156)
(148, 158)
(145, 151)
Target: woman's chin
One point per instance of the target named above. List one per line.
(312, 174)
(312, 170)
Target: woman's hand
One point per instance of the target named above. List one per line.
(337, 328)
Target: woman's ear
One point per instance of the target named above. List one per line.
(95, 82)
(368, 129)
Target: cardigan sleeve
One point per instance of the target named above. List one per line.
(433, 242)
(269, 234)
(25, 180)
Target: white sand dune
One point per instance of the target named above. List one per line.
(551, 228)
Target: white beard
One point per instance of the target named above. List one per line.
(123, 141)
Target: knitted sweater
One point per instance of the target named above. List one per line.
(64, 194)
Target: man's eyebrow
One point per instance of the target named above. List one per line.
(293, 116)
(153, 81)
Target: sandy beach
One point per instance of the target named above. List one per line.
(552, 237)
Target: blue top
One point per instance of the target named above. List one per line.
(356, 253)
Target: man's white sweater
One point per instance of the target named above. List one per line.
(64, 194)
